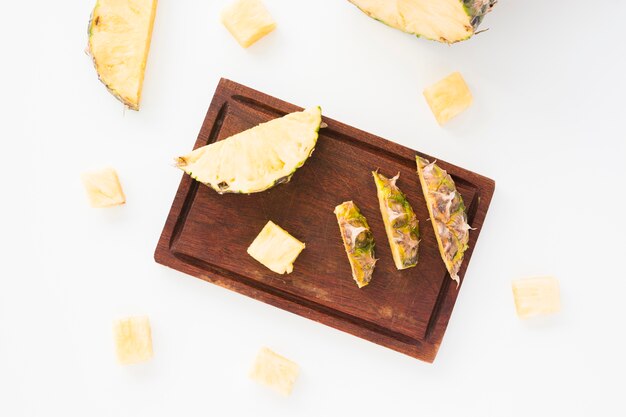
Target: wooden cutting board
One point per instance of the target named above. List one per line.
(206, 234)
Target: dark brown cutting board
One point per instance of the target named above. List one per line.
(206, 234)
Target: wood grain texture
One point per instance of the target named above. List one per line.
(206, 234)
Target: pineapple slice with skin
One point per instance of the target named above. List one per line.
(447, 214)
(448, 97)
(446, 21)
(401, 224)
(103, 188)
(358, 242)
(119, 41)
(248, 21)
(133, 340)
(275, 371)
(258, 158)
(536, 296)
(275, 248)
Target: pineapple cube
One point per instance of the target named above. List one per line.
(448, 97)
(275, 248)
(133, 340)
(103, 188)
(535, 296)
(274, 371)
(248, 21)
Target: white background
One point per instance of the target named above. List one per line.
(547, 124)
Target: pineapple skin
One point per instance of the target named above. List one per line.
(474, 9)
(448, 97)
(447, 214)
(130, 103)
(400, 221)
(358, 242)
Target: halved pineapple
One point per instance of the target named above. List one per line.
(536, 296)
(447, 213)
(447, 21)
(358, 242)
(119, 41)
(275, 371)
(400, 221)
(258, 158)
(133, 340)
(275, 248)
(248, 21)
(448, 97)
(103, 188)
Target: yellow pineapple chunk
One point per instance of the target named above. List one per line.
(248, 21)
(536, 296)
(275, 371)
(448, 97)
(119, 40)
(133, 340)
(275, 248)
(103, 188)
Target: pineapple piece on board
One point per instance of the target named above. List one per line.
(275, 248)
(400, 221)
(358, 242)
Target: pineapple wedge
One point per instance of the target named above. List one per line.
(446, 21)
(536, 296)
(275, 371)
(448, 97)
(248, 21)
(133, 340)
(447, 213)
(103, 188)
(275, 248)
(358, 242)
(400, 221)
(119, 41)
(258, 158)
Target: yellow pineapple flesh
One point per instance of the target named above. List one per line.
(536, 296)
(119, 40)
(448, 97)
(275, 248)
(275, 371)
(248, 21)
(133, 340)
(103, 188)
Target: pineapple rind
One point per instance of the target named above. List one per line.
(130, 102)
(401, 224)
(228, 166)
(447, 214)
(275, 371)
(275, 248)
(358, 242)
